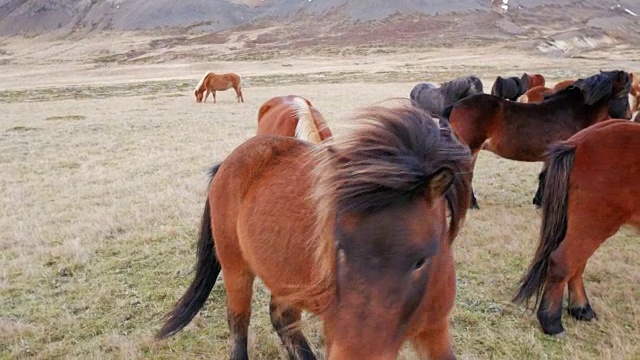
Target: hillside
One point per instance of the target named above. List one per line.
(256, 29)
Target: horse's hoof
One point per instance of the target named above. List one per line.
(561, 335)
(585, 313)
(474, 206)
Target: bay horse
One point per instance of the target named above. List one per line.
(508, 88)
(531, 81)
(522, 132)
(591, 190)
(212, 82)
(354, 230)
(294, 116)
(434, 100)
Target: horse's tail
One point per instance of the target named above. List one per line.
(496, 89)
(555, 203)
(306, 129)
(207, 270)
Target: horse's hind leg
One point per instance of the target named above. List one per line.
(239, 94)
(435, 343)
(579, 306)
(474, 201)
(286, 319)
(239, 285)
(584, 236)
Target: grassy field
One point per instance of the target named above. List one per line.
(102, 191)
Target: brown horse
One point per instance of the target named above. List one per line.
(531, 81)
(354, 230)
(522, 132)
(535, 94)
(212, 82)
(635, 93)
(591, 190)
(293, 116)
(563, 85)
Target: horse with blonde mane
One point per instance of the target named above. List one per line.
(293, 116)
(357, 231)
(212, 82)
(591, 190)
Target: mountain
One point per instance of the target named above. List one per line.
(333, 21)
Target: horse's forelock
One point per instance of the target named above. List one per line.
(389, 159)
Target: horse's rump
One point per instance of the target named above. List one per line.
(293, 116)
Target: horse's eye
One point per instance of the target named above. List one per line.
(420, 263)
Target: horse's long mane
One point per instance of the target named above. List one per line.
(201, 82)
(461, 87)
(306, 129)
(594, 88)
(390, 158)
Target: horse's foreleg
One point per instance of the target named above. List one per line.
(435, 342)
(206, 95)
(239, 286)
(286, 320)
(213, 93)
(542, 179)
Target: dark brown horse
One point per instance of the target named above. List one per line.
(293, 116)
(523, 132)
(531, 81)
(354, 230)
(508, 88)
(591, 190)
(212, 82)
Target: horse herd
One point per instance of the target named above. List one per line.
(358, 229)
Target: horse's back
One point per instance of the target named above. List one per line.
(606, 163)
(260, 209)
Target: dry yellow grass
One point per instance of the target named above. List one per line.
(100, 208)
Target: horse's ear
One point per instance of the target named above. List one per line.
(440, 182)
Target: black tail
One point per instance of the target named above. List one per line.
(555, 203)
(207, 270)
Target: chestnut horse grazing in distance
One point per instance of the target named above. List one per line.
(591, 190)
(355, 231)
(523, 132)
(293, 116)
(212, 82)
